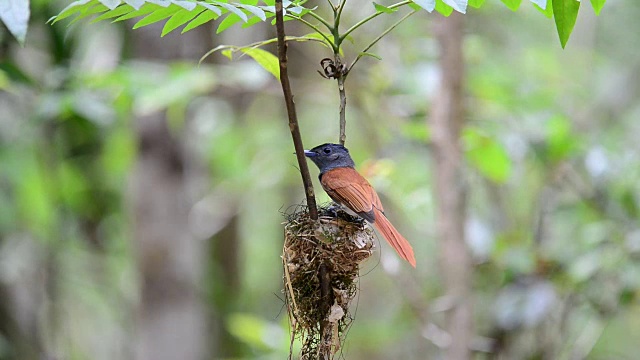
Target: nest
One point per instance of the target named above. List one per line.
(321, 263)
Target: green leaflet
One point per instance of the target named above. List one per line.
(201, 19)
(383, 9)
(541, 3)
(375, 56)
(230, 20)
(180, 18)
(97, 9)
(547, 10)
(443, 8)
(144, 10)
(157, 15)
(597, 5)
(136, 4)
(513, 5)
(565, 13)
(428, 5)
(228, 53)
(111, 4)
(458, 5)
(255, 11)
(73, 8)
(117, 12)
(15, 15)
(210, 7)
(234, 10)
(267, 60)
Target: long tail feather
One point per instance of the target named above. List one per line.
(393, 237)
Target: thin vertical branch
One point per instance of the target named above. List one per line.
(450, 190)
(341, 71)
(326, 300)
(343, 106)
(291, 112)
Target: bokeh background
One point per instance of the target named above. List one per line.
(141, 195)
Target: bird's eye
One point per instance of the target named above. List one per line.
(327, 150)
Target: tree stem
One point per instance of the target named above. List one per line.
(291, 112)
(343, 106)
(322, 20)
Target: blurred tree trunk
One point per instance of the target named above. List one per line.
(447, 120)
(22, 344)
(171, 318)
(170, 315)
(225, 281)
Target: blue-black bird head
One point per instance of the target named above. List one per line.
(330, 156)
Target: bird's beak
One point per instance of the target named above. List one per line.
(309, 153)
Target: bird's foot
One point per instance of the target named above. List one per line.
(333, 210)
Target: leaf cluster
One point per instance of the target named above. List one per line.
(192, 13)
(177, 13)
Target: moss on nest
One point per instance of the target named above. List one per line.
(332, 249)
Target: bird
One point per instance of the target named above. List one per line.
(344, 185)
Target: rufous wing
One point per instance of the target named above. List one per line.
(347, 187)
